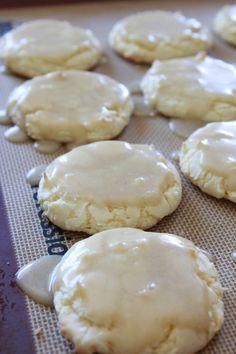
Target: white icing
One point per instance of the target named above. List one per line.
(184, 128)
(134, 87)
(158, 25)
(16, 135)
(209, 255)
(175, 156)
(140, 173)
(37, 39)
(4, 119)
(217, 148)
(3, 69)
(195, 88)
(152, 277)
(232, 13)
(35, 279)
(71, 106)
(141, 108)
(233, 256)
(46, 147)
(34, 175)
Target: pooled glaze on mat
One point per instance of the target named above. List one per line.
(35, 279)
(209, 223)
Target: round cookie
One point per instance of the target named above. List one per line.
(208, 159)
(135, 292)
(150, 35)
(194, 88)
(71, 107)
(225, 23)
(109, 184)
(41, 46)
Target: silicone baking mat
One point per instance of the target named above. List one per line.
(27, 327)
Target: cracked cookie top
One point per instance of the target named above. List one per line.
(130, 291)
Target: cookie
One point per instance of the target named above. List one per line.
(194, 88)
(41, 46)
(74, 107)
(109, 184)
(224, 23)
(208, 159)
(130, 291)
(150, 35)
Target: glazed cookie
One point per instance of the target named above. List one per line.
(42, 46)
(109, 184)
(150, 35)
(208, 159)
(71, 107)
(195, 88)
(225, 23)
(135, 292)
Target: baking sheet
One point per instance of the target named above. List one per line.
(210, 223)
